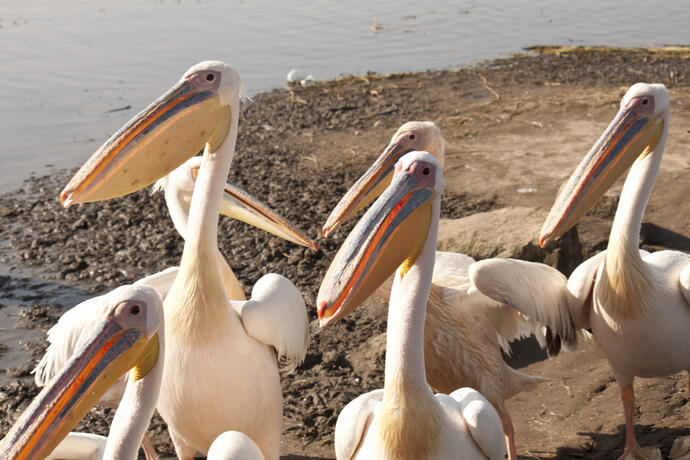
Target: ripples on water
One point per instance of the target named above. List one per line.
(69, 66)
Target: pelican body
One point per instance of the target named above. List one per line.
(217, 377)
(126, 334)
(636, 304)
(405, 419)
(126, 331)
(459, 321)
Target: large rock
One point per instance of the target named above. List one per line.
(508, 232)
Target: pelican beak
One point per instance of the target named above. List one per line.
(240, 205)
(111, 351)
(170, 130)
(367, 188)
(628, 137)
(391, 233)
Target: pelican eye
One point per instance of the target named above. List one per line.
(645, 101)
(135, 310)
(426, 171)
(411, 137)
(210, 77)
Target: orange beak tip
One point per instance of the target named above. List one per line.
(65, 199)
(321, 309)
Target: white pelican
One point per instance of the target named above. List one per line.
(74, 326)
(119, 320)
(216, 376)
(126, 334)
(636, 304)
(458, 322)
(405, 419)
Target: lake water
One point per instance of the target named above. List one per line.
(74, 71)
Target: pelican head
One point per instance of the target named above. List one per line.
(129, 317)
(391, 234)
(236, 203)
(413, 135)
(635, 132)
(197, 112)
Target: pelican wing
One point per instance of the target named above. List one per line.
(234, 445)
(482, 420)
(76, 325)
(452, 282)
(277, 315)
(65, 337)
(580, 286)
(161, 281)
(353, 423)
(536, 290)
(451, 269)
(670, 264)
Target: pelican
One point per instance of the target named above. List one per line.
(216, 376)
(458, 322)
(126, 334)
(75, 326)
(636, 304)
(119, 321)
(405, 419)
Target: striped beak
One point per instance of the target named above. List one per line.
(172, 129)
(240, 205)
(391, 233)
(629, 136)
(111, 351)
(367, 188)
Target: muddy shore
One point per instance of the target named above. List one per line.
(510, 125)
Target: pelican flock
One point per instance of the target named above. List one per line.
(187, 343)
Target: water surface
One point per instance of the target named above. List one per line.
(74, 71)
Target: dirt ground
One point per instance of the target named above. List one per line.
(514, 128)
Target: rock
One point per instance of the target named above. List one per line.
(508, 232)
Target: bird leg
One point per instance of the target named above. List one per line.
(149, 449)
(633, 451)
(509, 433)
(680, 450)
